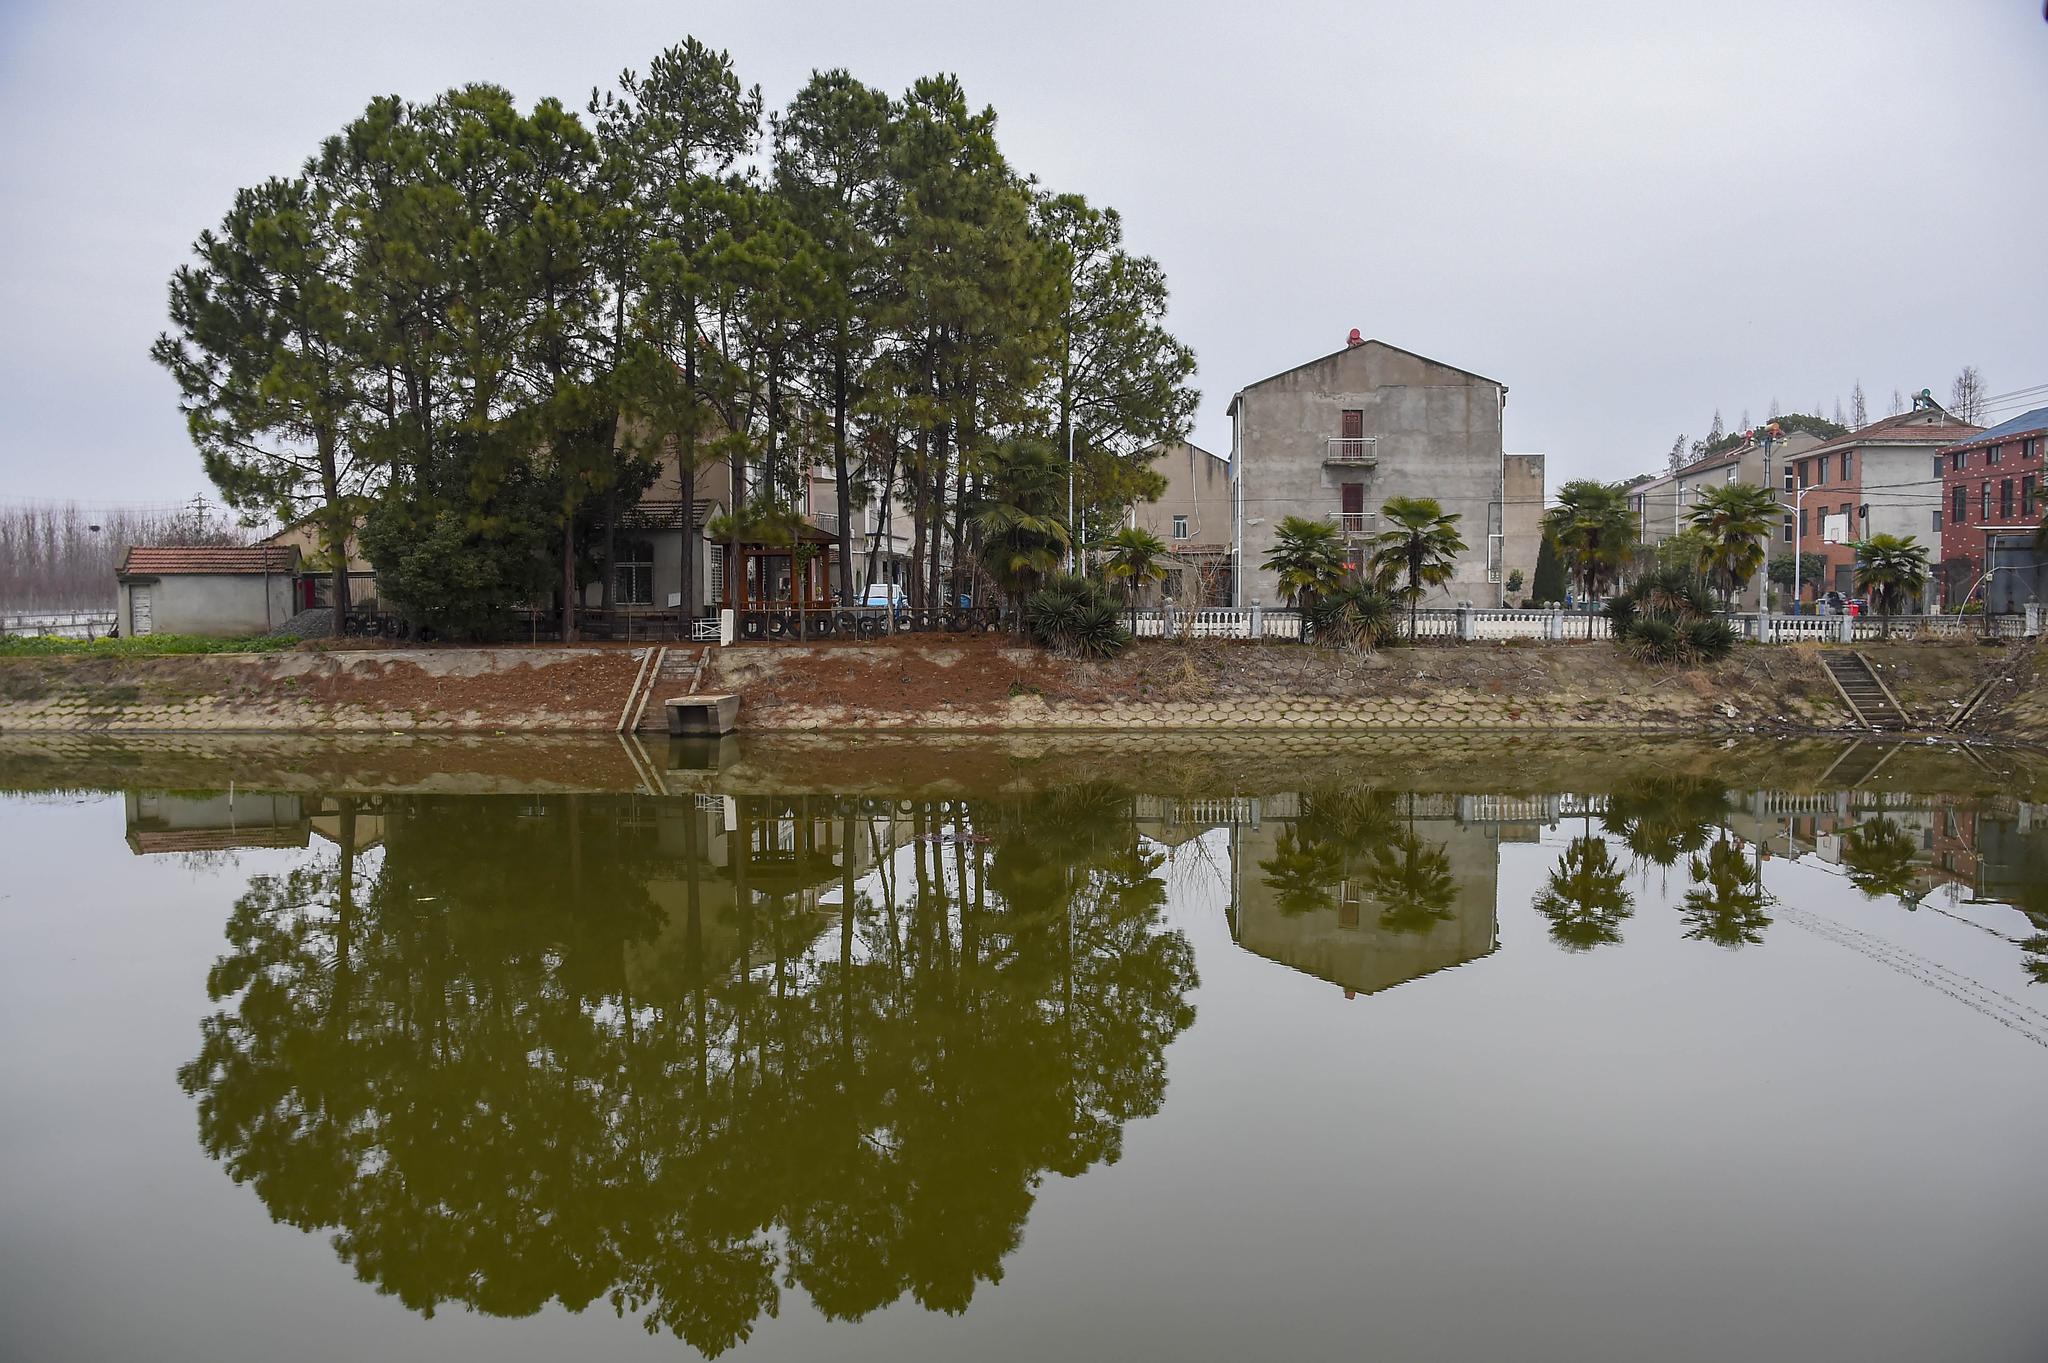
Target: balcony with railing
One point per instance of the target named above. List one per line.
(1355, 524)
(1352, 451)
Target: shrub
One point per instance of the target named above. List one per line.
(1074, 615)
(1352, 615)
(1668, 617)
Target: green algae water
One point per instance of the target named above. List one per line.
(907, 1052)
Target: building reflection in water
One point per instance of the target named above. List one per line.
(680, 1054)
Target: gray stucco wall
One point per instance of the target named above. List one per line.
(1439, 435)
(217, 605)
(1900, 490)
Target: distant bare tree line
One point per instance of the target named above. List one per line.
(63, 557)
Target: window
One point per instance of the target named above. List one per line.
(1992, 454)
(1823, 470)
(1937, 520)
(2005, 499)
(1984, 503)
(1802, 522)
(1180, 527)
(1847, 465)
(1788, 529)
(633, 574)
(2027, 497)
(1961, 500)
(2030, 447)
(717, 575)
(1802, 473)
(1731, 472)
(1959, 460)
(1938, 466)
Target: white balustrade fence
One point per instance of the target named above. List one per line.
(1474, 624)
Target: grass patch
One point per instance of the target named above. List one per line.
(146, 646)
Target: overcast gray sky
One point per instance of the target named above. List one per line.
(1630, 213)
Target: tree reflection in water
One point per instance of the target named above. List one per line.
(1879, 856)
(575, 1053)
(1727, 902)
(1584, 899)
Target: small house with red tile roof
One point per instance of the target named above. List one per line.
(221, 591)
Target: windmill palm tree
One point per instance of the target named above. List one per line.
(1727, 902)
(1734, 522)
(1878, 855)
(1594, 530)
(1585, 899)
(1135, 558)
(1419, 548)
(1023, 536)
(1308, 557)
(1890, 570)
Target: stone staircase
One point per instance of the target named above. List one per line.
(680, 674)
(1869, 699)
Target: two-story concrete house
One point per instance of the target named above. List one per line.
(1193, 517)
(1337, 437)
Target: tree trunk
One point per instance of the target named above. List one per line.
(568, 576)
(335, 530)
(841, 478)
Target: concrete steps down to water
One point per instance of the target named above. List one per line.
(1869, 699)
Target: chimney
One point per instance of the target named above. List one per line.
(1354, 338)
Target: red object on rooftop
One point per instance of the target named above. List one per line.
(1355, 338)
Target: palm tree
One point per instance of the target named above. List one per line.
(1419, 548)
(1023, 536)
(1735, 521)
(1594, 530)
(1585, 899)
(1726, 905)
(1308, 556)
(1134, 560)
(1878, 855)
(1890, 569)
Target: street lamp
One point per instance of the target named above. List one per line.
(1798, 534)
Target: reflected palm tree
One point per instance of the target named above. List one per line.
(1412, 882)
(2036, 964)
(1663, 818)
(1303, 872)
(1878, 854)
(1726, 905)
(1585, 900)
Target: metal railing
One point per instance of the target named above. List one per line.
(1351, 523)
(1353, 451)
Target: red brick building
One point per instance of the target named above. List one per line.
(1993, 498)
(1872, 481)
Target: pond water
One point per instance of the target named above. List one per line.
(1678, 1054)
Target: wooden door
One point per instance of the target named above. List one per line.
(139, 610)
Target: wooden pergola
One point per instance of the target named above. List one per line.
(767, 576)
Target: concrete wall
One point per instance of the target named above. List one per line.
(1521, 521)
(1439, 435)
(1899, 488)
(217, 605)
(1197, 487)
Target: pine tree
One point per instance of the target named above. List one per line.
(1677, 458)
(1859, 413)
(1547, 587)
(1119, 382)
(1715, 431)
(269, 359)
(831, 166)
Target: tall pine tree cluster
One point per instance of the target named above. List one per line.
(477, 328)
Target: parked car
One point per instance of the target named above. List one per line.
(885, 594)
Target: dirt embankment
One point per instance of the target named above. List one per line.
(989, 684)
(313, 690)
(925, 684)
